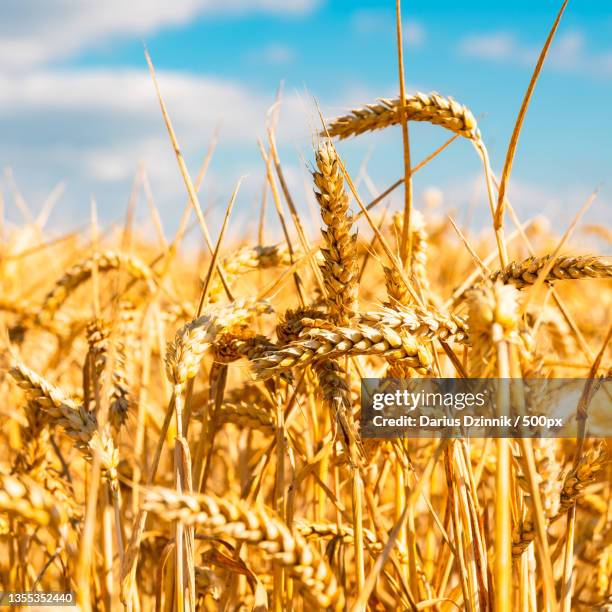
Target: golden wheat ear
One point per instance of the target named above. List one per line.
(431, 108)
(81, 272)
(525, 273)
(257, 527)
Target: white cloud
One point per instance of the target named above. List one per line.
(373, 21)
(414, 33)
(568, 53)
(92, 127)
(494, 46)
(274, 54)
(530, 200)
(33, 32)
(127, 96)
(367, 21)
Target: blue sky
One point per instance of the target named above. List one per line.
(77, 106)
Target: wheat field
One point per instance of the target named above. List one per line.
(182, 432)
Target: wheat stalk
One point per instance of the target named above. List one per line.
(340, 276)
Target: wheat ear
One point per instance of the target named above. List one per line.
(294, 321)
(22, 497)
(98, 337)
(77, 422)
(418, 321)
(246, 416)
(432, 108)
(32, 458)
(339, 268)
(185, 353)
(525, 273)
(396, 333)
(81, 272)
(580, 477)
(256, 526)
(319, 344)
(333, 531)
(248, 259)
(548, 472)
(492, 304)
(418, 254)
